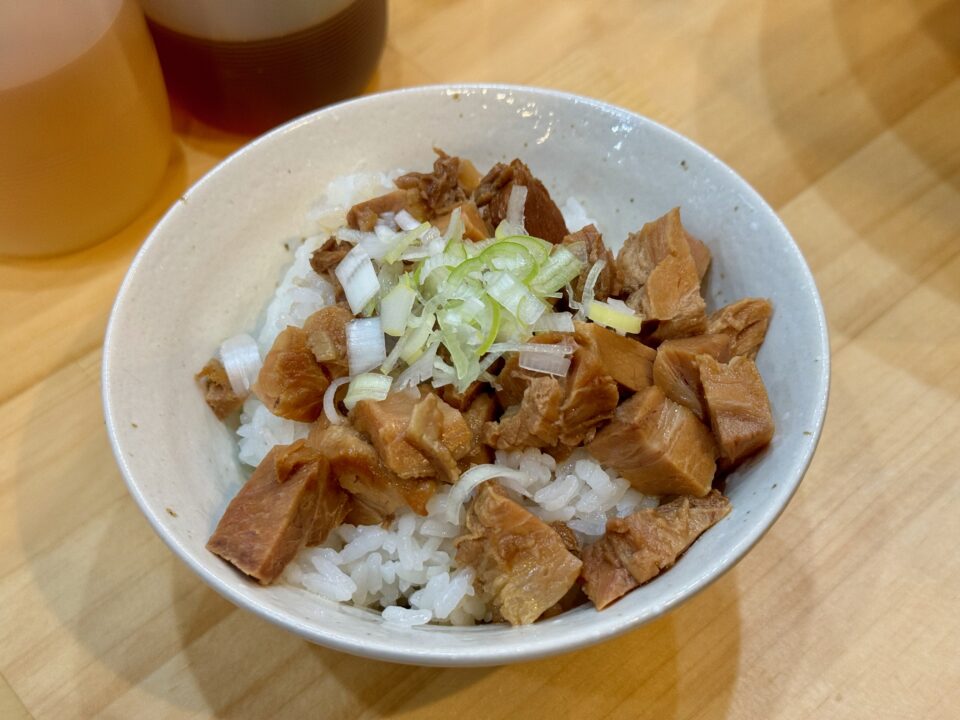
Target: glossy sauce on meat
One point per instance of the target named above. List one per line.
(677, 373)
(659, 446)
(738, 405)
(274, 513)
(521, 562)
(662, 276)
(639, 547)
(291, 382)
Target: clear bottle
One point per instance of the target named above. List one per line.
(248, 65)
(84, 122)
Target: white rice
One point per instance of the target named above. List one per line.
(408, 571)
(575, 215)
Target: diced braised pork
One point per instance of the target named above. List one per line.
(324, 261)
(541, 216)
(291, 382)
(273, 515)
(462, 400)
(386, 422)
(513, 379)
(590, 397)
(363, 215)
(325, 258)
(659, 446)
(700, 253)
(326, 333)
(377, 492)
(333, 506)
(474, 226)
(521, 562)
(570, 540)
(535, 422)
(745, 322)
(481, 411)
(469, 176)
(441, 190)
(588, 247)
(739, 409)
(639, 547)
(626, 360)
(217, 390)
(661, 275)
(676, 372)
(441, 435)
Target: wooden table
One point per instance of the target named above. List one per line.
(846, 117)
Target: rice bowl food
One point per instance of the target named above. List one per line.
(227, 243)
(483, 291)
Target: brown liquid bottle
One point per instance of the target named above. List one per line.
(248, 65)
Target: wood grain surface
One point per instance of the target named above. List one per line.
(846, 116)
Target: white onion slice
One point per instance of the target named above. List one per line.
(405, 221)
(420, 370)
(367, 386)
(554, 322)
(329, 401)
(475, 476)
(352, 236)
(395, 309)
(366, 345)
(562, 348)
(548, 364)
(241, 359)
(384, 233)
(515, 205)
(454, 227)
(589, 284)
(358, 278)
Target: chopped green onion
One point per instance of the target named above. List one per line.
(404, 241)
(329, 400)
(547, 364)
(560, 268)
(389, 275)
(540, 249)
(554, 322)
(358, 279)
(393, 357)
(516, 203)
(466, 269)
(492, 324)
(415, 340)
(510, 256)
(420, 370)
(366, 348)
(367, 386)
(613, 317)
(505, 229)
(455, 229)
(587, 297)
(515, 297)
(405, 220)
(395, 309)
(560, 349)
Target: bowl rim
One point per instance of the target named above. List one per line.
(606, 625)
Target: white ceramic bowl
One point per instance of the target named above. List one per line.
(212, 262)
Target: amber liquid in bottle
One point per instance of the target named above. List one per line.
(251, 86)
(84, 123)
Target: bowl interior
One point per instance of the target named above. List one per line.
(214, 260)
